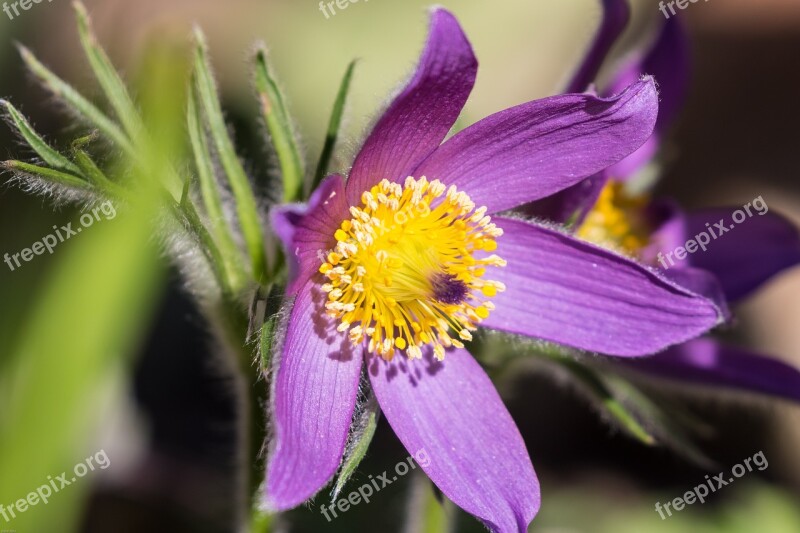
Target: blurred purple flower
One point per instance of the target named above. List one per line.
(730, 269)
(615, 17)
(387, 266)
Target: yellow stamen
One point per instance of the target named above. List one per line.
(408, 267)
(617, 221)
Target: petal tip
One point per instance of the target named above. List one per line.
(646, 87)
(437, 10)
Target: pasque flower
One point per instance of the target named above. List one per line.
(394, 269)
(602, 209)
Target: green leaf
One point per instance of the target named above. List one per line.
(427, 510)
(35, 141)
(359, 444)
(276, 115)
(333, 127)
(594, 384)
(210, 194)
(112, 85)
(77, 103)
(261, 522)
(267, 341)
(186, 215)
(86, 323)
(93, 173)
(81, 142)
(246, 207)
(56, 177)
(434, 516)
(662, 422)
(163, 107)
(187, 185)
(162, 88)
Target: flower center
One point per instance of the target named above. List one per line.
(617, 221)
(408, 268)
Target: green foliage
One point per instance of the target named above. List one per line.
(436, 512)
(267, 342)
(112, 85)
(333, 127)
(745, 509)
(607, 398)
(49, 175)
(83, 328)
(276, 116)
(246, 207)
(651, 420)
(79, 175)
(77, 339)
(50, 156)
(77, 104)
(212, 202)
(360, 440)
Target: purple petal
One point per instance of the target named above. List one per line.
(533, 150)
(306, 231)
(755, 251)
(744, 257)
(316, 384)
(668, 62)
(421, 116)
(706, 362)
(616, 14)
(571, 205)
(629, 166)
(450, 414)
(567, 291)
(579, 199)
(669, 222)
(700, 282)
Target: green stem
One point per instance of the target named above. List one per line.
(253, 393)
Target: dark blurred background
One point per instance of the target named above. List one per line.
(172, 424)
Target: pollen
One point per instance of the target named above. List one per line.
(408, 269)
(617, 221)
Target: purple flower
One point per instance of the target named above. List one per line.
(396, 268)
(730, 269)
(615, 17)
